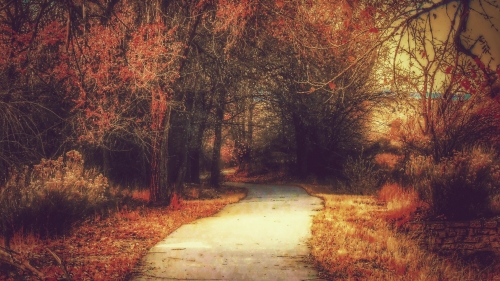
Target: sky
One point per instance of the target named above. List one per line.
(489, 28)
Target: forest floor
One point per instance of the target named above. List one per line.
(110, 248)
(351, 239)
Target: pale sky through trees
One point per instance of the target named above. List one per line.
(490, 29)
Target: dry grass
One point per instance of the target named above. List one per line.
(353, 240)
(401, 205)
(275, 177)
(110, 248)
(140, 195)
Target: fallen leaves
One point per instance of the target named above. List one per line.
(109, 249)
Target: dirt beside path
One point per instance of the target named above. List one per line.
(263, 237)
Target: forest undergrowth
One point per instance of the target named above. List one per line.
(109, 248)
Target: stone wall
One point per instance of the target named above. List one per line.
(466, 237)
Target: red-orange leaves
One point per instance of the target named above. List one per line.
(479, 63)
(152, 53)
(332, 86)
(232, 17)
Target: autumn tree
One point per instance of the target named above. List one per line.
(33, 71)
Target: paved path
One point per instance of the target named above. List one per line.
(263, 237)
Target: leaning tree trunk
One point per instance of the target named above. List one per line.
(106, 161)
(249, 139)
(195, 153)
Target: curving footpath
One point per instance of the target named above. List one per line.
(262, 237)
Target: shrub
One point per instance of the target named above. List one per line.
(362, 175)
(458, 187)
(388, 161)
(49, 198)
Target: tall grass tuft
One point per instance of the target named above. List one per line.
(402, 204)
(49, 198)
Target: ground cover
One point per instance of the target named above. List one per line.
(356, 238)
(109, 248)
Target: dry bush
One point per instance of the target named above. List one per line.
(362, 176)
(458, 187)
(388, 160)
(141, 195)
(495, 204)
(48, 199)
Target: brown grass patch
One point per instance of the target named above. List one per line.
(110, 248)
(402, 205)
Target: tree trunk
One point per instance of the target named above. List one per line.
(195, 154)
(158, 186)
(194, 167)
(249, 138)
(166, 191)
(183, 161)
(154, 184)
(105, 161)
(215, 167)
(302, 149)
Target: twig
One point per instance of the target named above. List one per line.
(61, 264)
(6, 256)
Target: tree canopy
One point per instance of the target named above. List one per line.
(159, 91)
